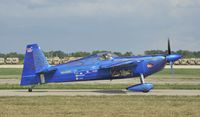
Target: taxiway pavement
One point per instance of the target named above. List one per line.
(96, 92)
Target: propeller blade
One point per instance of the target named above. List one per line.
(169, 47)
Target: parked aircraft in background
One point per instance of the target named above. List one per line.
(101, 66)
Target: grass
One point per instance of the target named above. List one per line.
(10, 71)
(10, 76)
(100, 106)
(101, 86)
(178, 86)
(196, 72)
(180, 72)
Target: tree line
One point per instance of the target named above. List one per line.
(12, 55)
(61, 54)
(184, 53)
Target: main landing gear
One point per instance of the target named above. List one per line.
(142, 87)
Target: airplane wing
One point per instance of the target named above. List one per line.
(120, 64)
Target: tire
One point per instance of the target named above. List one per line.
(29, 90)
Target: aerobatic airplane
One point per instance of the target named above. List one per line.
(101, 66)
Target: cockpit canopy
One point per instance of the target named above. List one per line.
(92, 59)
(106, 56)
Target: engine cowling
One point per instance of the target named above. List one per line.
(146, 87)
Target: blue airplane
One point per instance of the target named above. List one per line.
(101, 66)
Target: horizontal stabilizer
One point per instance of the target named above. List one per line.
(51, 69)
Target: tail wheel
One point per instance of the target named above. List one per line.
(29, 89)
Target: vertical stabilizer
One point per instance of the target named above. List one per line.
(34, 63)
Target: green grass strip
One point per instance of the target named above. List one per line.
(10, 71)
(193, 72)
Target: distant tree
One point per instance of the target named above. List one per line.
(21, 57)
(49, 54)
(14, 54)
(186, 53)
(61, 54)
(118, 53)
(57, 53)
(99, 51)
(128, 54)
(80, 54)
(197, 54)
(2, 55)
(154, 52)
(11, 54)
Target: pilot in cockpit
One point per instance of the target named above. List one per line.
(106, 56)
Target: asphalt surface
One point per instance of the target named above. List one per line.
(93, 92)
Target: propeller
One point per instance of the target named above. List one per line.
(171, 58)
(169, 47)
(169, 53)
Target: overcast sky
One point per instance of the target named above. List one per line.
(87, 25)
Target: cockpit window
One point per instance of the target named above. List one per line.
(106, 56)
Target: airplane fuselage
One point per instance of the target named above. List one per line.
(91, 70)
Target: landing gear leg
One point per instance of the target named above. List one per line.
(142, 79)
(143, 82)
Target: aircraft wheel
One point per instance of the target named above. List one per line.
(145, 91)
(29, 90)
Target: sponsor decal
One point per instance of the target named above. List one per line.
(150, 65)
(29, 49)
(66, 72)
